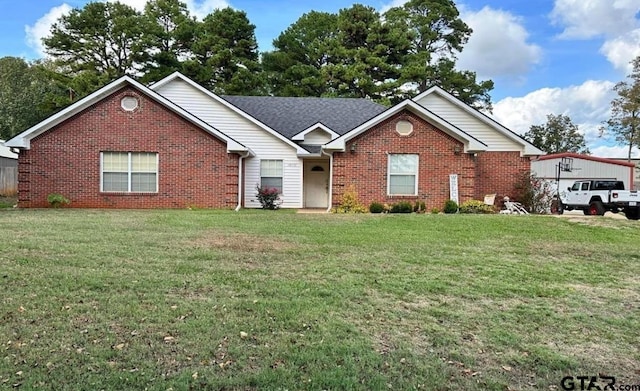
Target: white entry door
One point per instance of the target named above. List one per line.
(316, 184)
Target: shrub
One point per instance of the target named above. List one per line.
(269, 197)
(350, 202)
(419, 207)
(57, 200)
(450, 207)
(475, 206)
(402, 207)
(435, 211)
(534, 193)
(376, 207)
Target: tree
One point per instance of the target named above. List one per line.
(558, 135)
(225, 54)
(301, 51)
(102, 38)
(26, 95)
(624, 124)
(169, 36)
(437, 34)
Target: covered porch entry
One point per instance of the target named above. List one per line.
(316, 174)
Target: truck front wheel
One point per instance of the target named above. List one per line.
(596, 208)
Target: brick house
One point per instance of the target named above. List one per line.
(176, 144)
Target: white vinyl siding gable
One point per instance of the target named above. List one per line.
(264, 145)
(494, 139)
(317, 137)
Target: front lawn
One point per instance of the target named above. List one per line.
(218, 300)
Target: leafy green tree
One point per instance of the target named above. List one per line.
(624, 123)
(225, 54)
(301, 51)
(437, 34)
(26, 95)
(557, 135)
(170, 33)
(101, 38)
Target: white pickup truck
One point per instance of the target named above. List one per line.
(595, 197)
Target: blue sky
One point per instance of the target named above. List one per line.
(545, 56)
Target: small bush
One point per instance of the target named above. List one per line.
(376, 207)
(450, 207)
(402, 207)
(419, 207)
(269, 197)
(475, 206)
(350, 202)
(435, 211)
(57, 200)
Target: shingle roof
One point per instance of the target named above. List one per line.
(291, 115)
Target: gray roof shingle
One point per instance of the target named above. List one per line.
(291, 115)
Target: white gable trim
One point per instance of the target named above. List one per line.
(471, 144)
(178, 75)
(529, 149)
(23, 140)
(319, 125)
(6, 151)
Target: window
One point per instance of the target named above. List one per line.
(271, 174)
(129, 172)
(404, 128)
(403, 174)
(585, 185)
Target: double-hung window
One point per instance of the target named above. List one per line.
(271, 174)
(129, 172)
(402, 174)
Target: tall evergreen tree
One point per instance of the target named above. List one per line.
(225, 54)
(170, 34)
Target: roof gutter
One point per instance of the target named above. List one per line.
(241, 178)
(322, 152)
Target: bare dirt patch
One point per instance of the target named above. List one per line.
(241, 242)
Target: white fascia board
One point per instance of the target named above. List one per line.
(300, 136)
(23, 139)
(471, 144)
(178, 75)
(5, 151)
(528, 150)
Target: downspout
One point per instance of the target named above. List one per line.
(322, 152)
(241, 179)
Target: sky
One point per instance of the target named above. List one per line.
(544, 56)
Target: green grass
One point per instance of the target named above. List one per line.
(217, 300)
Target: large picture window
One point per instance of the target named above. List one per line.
(271, 174)
(129, 172)
(403, 174)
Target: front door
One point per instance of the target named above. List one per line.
(316, 184)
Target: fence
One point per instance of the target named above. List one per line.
(8, 181)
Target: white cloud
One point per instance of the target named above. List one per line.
(42, 27)
(588, 105)
(202, 8)
(621, 50)
(583, 19)
(615, 20)
(615, 151)
(495, 33)
(393, 3)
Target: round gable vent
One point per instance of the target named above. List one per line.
(129, 103)
(404, 128)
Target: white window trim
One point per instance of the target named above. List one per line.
(129, 172)
(415, 184)
(267, 176)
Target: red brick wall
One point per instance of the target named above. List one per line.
(366, 168)
(498, 172)
(194, 167)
